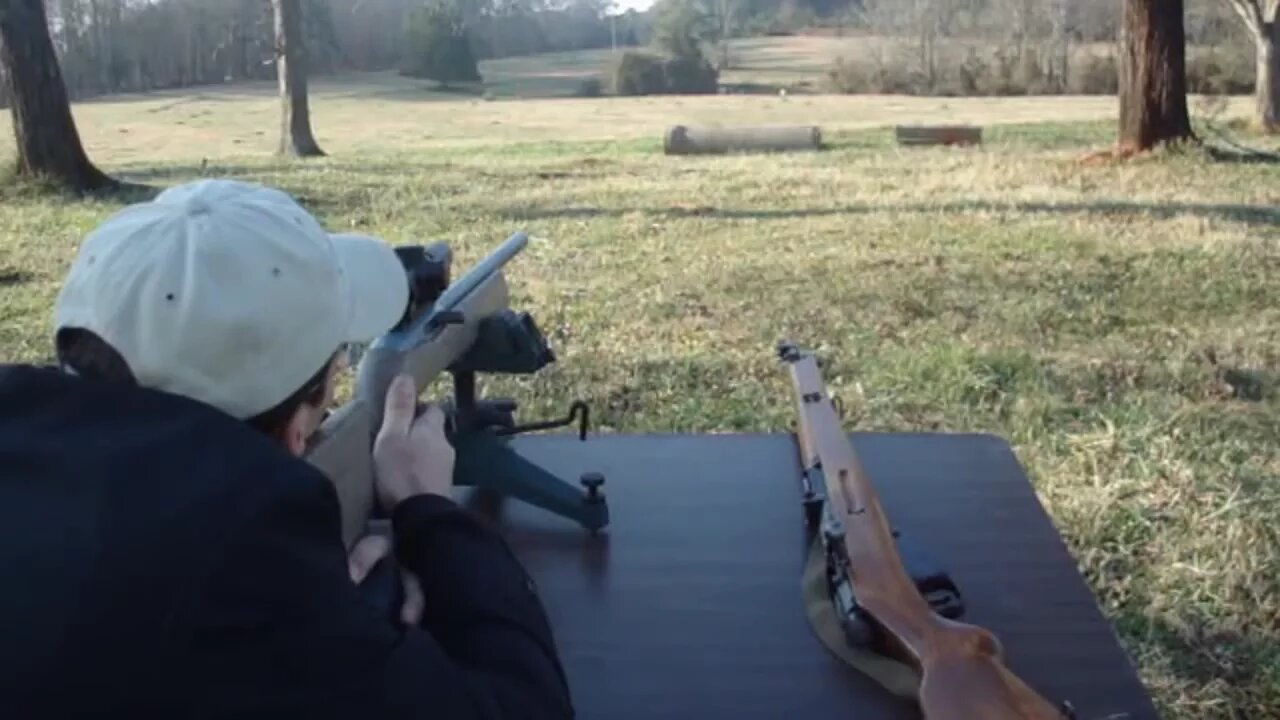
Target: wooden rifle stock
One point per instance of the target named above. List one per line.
(961, 666)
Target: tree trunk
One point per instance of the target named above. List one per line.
(291, 67)
(1267, 90)
(49, 145)
(1153, 78)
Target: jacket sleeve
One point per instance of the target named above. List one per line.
(279, 629)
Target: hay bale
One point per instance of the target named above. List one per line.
(684, 140)
(913, 135)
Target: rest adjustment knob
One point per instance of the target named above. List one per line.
(592, 482)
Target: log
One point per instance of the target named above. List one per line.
(684, 140)
(939, 135)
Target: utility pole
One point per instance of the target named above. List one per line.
(613, 24)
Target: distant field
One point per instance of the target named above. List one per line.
(1118, 324)
(365, 113)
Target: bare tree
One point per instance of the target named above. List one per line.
(49, 146)
(1153, 75)
(291, 66)
(725, 10)
(1058, 52)
(1260, 18)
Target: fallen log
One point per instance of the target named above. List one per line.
(938, 135)
(684, 140)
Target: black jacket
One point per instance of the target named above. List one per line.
(160, 559)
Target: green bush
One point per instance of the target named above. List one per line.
(690, 76)
(438, 47)
(639, 73)
(590, 88)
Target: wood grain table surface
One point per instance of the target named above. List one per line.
(689, 605)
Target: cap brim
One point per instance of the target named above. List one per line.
(376, 281)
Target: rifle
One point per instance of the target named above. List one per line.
(463, 327)
(960, 665)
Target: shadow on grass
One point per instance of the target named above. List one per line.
(196, 171)
(1201, 657)
(110, 188)
(1242, 156)
(1248, 214)
(9, 276)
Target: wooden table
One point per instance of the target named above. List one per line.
(689, 604)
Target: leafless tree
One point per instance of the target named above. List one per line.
(1260, 18)
(296, 138)
(1153, 82)
(49, 146)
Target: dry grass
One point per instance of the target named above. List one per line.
(363, 114)
(1117, 323)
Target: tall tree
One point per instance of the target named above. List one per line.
(1153, 75)
(439, 46)
(291, 66)
(1260, 18)
(49, 146)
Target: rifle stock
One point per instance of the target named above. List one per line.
(961, 665)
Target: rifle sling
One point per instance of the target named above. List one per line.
(899, 679)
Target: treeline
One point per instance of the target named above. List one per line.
(1207, 21)
(116, 46)
(372, 32)
(113, 46)
(959, 47)
(939, 46)
(1000, 47)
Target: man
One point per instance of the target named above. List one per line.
(166, 553)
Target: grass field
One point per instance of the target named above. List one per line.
(1117, 323)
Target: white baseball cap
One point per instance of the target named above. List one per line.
(229, 293)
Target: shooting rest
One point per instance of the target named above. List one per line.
(461, 326)
(689, 604)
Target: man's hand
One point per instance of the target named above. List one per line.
(366, 554)
(411, 456)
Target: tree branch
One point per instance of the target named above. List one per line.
(1249, 11)
(1269, 15)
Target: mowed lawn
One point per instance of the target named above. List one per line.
(1117, 323)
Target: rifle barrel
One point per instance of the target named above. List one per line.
(493, 262)
(418, 331)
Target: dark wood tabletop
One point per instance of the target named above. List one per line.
(689, 604)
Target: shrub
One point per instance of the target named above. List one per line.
(643, 74)
(639, 74)
(439, 47)
(1221, 73)
(849, 77)
(1095, 75)
(590, 88)
(875, 76)
(1002, 78)
(973, 73)
(690, 75)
